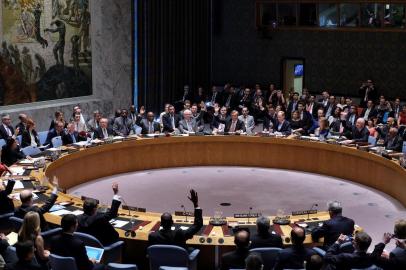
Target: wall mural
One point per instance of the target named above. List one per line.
(46, 50)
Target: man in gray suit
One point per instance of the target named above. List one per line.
(248, 120)
(149, 126)
(188, 123)
(94, 123)
(122, 125)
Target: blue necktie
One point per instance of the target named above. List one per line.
(73, 138)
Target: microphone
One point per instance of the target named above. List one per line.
(249, 214)
(184, 211)
(311, 208)
(132, 221)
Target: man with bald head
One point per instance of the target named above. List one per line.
(393, 141)
(178, 237)
(236, 259)
(149, 125)
(103, 131)
(188, 123)
(27, 204)
(359, 133)
(294, 257)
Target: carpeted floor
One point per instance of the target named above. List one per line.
(265, 190)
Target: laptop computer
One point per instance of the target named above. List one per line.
(94, 253)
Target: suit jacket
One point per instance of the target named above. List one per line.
(314, 110)
(293, 258)
(284, 128)
(98, 133)
(92, 125)
(156, 127)
(3, 133)
(372, 113)
(360, 135)
(238, 126)
(9, 157)
(183, 126)
(346, 261)
(67, 245)
(331, 230)
(269, 121)
(67, 138)
(26, 138)
(307, 121)
(6, 204)
(265, 240)
(122, 127)
(220, 120)
(99, 226)
(21, 126)
(22, 265)
(177, 237)
(250, 124)
(234, 100)
(52, 134)
(291, 107)
(167, 123)
(24, 209)
(396, 260)
(216, 99)
(396, 144)
(234, 259)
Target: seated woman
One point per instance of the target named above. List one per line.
(296, 124)
(58, 118)
(323, 130)
(372, 130)
(31, 231)
(30, 135)
(11, 152)
(334, 116)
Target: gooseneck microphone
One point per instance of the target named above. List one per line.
(249, 214)
(311, 208)
(184, 211)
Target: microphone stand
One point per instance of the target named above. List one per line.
(249, 214)
(184, 211)
(308, 213)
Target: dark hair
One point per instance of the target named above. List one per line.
(315, 262)
(253, 262)
(10, 141)
(166, 220)
(89, 205)
(68, 221)
(23, 249)
(363, 240)
(298, 239)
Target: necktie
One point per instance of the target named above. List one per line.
(213, 100)
(73, 138)
(189, 127)
(150, 128)
(173, 122)
(105, 134)
(232, 129)
(77, 127)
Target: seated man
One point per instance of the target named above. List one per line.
(331, 229)
(282, 126)
(170, 120)
(6, 204)
(103, 131)
(167, 236)
(71, 135)
(27, 205)
(25, 255)
(234, 124)
(359, 259)
(294, 257)
(254, 262)
(149, 125)
(68, 245)
(98, 224)
(396, 259)
(248, 120)
(6, 129)
(264, 238)
(123, 125)
(57, 131)
(236, 258)
(188, 123)
(359, 132)
(393, 141)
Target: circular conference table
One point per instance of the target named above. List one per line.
(139, 154)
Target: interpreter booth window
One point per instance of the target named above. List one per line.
(328, 15)
(371, 15)
(308, 14)
(268, 14)
(287, 14)
(394, 15)
(350, 15)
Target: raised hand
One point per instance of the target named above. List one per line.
(194, 198)
(115, 188)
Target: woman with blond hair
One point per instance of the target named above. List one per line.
(31, 231)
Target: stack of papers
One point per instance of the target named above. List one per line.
(16, 170)
(17, 185)
(118, 223)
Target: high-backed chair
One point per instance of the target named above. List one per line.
(5, 223)
(47, 235)
(168, 255)
(268, 255)
(372, 267)
(19, 139)
(112, 253)
(57, 142)
(2, 142)
(31, 150)
(119, 266)
(62, 263)
(42, 135)
(177, 268)
(16, 223)
(346, 247)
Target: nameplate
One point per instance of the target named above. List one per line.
(84, 198)
(134, 208)
(247, 215)
(304, 212)
(184, 214)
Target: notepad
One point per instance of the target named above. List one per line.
(56, 207)
(12, 238)
(94, 253)
(17, 185)
(61, 212)
(118, 223)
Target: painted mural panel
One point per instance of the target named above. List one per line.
(46, 50)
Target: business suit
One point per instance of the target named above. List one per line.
(332, 228)
(184, 128)
(67, 138)
(92, 125)
(346, 261)
(167, 122)
(99, 226)
(147, 129)
(329, 110)
(283, 128)
(3, 132)
(249, 123)
(52, 134)
(234, 259)
(292, 106)
(24, 209)
(22, 127)
(80, 126)
(312, 109)
(360, 135)
(67, 245)
(371, 113)
(269, 121)
(396, 260)
(307, 120)
(230, 101)
(26, 138)
(177, 237)
(6, 204)
(395, 144)
(9, 156)
(222, 119)
(239, 126)
(98, 133)
(122, 126)
(293, 257)
(265, 240)
(215, 98)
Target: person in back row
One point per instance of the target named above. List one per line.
(263, 237)
(236, 258)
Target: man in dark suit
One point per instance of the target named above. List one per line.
(293, 104)
(331, 106)
(149, 125)
(27, 205)
(123, 125)
(67, 245)
(234, 124)
(282, 126)
(6, 204)
(25, 255)
(103, 131)
(359, 134)
(270, 118)
(230, 99)
(170, 120)
(264, 238)
(215, 96)
(367, 92)
(98, 224)
(57, 131)
(6, 129)
(312, 107)
(336, 225)
(393, 140)
(188, 123)
(359, 259)
(167, 236)
(305, 117)
(396, 259)
(369, 112)
(294, 256)
(71, 136)
(236, 258)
